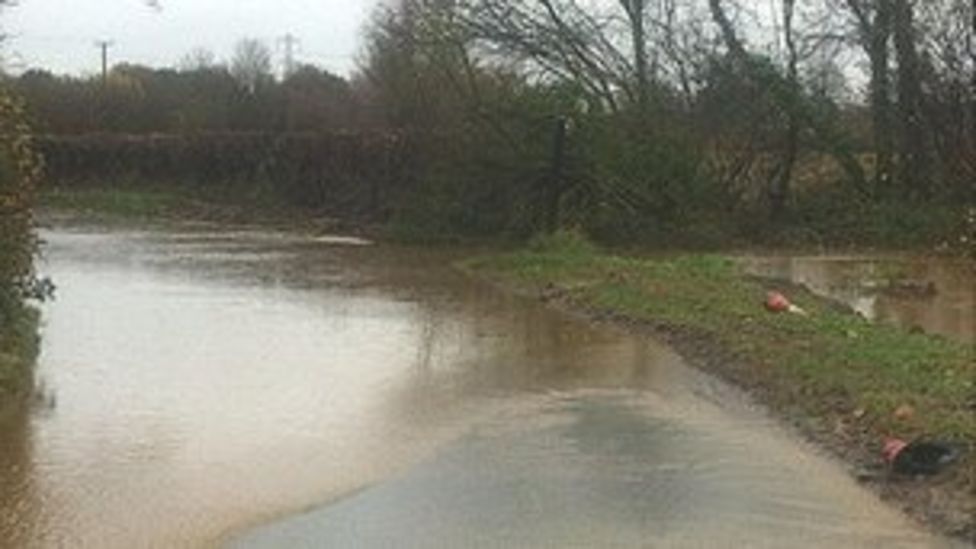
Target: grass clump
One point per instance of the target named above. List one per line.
(564, 242)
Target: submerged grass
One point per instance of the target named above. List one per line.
(831, 371)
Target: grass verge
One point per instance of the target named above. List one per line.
(127, 203)
(157, 201)
(836, 376)
(153, 202)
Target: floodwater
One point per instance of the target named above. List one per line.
(932, 294)
(200, 386)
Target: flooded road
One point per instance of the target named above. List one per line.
(198, 383)
(935, 295)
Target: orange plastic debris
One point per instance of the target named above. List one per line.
(777, 302)
(893, 447)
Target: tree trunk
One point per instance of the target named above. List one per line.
(781, 187)
(555, 186)
(788, 101)
(877, 41)
(728, 31)
(635, 14)
(913, 161)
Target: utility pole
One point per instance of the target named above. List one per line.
(104, 45)
(291, 42)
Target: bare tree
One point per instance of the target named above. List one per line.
(555, 41)
(406, 59)
(781, 189)
(251, 65)
(913, 150)
(944, 37)
(636, 15)
(198, 59)
(602, 47)
(873, 19)
(787, 96)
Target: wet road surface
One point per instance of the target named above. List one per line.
(608, 469)
(196, 384)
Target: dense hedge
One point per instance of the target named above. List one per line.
(20, 170)
(616, 186)
(353, 173)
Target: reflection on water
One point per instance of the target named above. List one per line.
(607, 469)
(209, 380)
(18, 497)
(936, 295)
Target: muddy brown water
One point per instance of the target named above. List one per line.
(199, 386)
(932, 294)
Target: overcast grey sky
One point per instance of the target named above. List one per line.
(60, 34)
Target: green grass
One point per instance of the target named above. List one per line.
(128, 200)
(117, 202)
(827, 367)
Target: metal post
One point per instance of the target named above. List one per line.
(555, 187)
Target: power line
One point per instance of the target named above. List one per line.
(47, 38)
